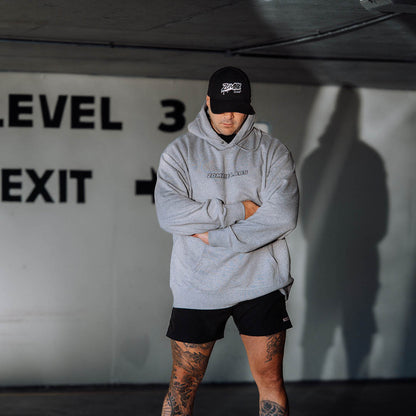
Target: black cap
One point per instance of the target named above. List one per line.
(229, 91)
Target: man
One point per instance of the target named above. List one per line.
(228, 193)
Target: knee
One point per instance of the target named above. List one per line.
(269, 378)
(184, 381)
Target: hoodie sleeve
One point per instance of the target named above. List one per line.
(276, 217)
(178, 213)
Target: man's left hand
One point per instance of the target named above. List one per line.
(203, 237)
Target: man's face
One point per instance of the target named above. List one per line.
(226, 123)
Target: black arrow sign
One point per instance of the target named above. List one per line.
(147, 187)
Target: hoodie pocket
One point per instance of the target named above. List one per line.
(199, 258)
(187, 254)
(220, 269)
(217, 268)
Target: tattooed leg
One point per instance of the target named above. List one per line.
(189, 364)
(265, 356)
(269, 408)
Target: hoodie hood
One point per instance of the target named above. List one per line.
(247, 137)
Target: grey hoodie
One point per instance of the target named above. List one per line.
(201, 184)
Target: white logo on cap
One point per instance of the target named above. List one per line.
(231, 86)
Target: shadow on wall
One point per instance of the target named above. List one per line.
(344, 211)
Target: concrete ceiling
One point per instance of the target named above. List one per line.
(283, 41)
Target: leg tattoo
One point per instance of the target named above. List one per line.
(269, 408)
(170, 407)
(189, 364)
(194, 363)
(275, 345)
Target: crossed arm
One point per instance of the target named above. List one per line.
(250, 208)
(239, 226)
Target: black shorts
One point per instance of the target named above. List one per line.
(265, 315)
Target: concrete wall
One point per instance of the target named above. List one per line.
(84, 292)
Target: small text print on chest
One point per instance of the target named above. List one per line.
(226, 175)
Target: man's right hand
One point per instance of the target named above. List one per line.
(250, 208)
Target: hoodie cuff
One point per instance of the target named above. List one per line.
(235, 212)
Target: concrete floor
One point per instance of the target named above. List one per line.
(306, 399)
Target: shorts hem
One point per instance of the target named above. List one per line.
(268, 333)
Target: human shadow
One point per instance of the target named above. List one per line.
(344, 213)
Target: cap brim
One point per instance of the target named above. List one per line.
(225, 106)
